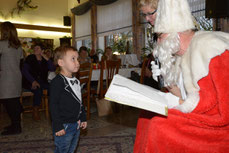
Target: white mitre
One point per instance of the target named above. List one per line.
(173, 16)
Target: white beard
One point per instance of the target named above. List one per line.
(170, 64)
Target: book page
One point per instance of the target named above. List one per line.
(147, 91)
(128, 92)
(135, 100)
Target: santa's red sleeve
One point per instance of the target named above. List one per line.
(204, 130)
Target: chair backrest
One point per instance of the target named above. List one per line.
(84, 74)
(111, 68)
(143, 70)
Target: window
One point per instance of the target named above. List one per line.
(120, 42)
(198, 11)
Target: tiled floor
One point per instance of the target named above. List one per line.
(116, 127)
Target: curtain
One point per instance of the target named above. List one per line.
(103, 2)
(83, 26)
(82, 9)
(114, 18)
(197, 7)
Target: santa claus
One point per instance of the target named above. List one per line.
(195, 68)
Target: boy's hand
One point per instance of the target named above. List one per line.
(60, 133)
(83, 125)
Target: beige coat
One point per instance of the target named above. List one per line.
(10, 74)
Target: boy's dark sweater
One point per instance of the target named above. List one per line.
(65, 107)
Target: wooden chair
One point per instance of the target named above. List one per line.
(26, 94)
(44, 102)
(144, 64)
(26, 109)
(84, 76)
(111, 68)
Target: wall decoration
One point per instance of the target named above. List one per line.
(22, 5)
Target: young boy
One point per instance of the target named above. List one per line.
(67, 111)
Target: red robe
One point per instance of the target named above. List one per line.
(204, 130)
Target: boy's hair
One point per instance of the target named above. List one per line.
(61, 51)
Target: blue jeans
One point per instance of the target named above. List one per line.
(38, 93)
(68, 142)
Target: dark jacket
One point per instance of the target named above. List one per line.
(34, 70)
(65, 106)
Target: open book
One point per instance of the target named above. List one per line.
(128, 92)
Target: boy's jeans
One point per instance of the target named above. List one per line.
(68, 142)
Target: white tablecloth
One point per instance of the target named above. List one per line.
(126, 72)
(129, 59)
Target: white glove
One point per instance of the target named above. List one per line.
(155, 70)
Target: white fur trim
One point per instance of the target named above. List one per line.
(190, 103)
(173, 16)
(195, 63)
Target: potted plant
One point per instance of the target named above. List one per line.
(65, 41)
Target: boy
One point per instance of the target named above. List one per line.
(67, 111)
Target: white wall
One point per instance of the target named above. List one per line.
(48, 13)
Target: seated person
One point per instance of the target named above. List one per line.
(35, 73)
(108, 54)
(93, 56)
(83, 55)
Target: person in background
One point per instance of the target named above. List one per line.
(94, 57)
(49, 54)
(83, 55)
(149, 10)
(194, 67)
(108, 54)
(35, 75)
(25, 48)
(67, 110)
(10, 76)
(148, 80)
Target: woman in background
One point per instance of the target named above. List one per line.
(108, 54)
(83, 55)
(10, 76)
(94, 57)
(35, 75)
